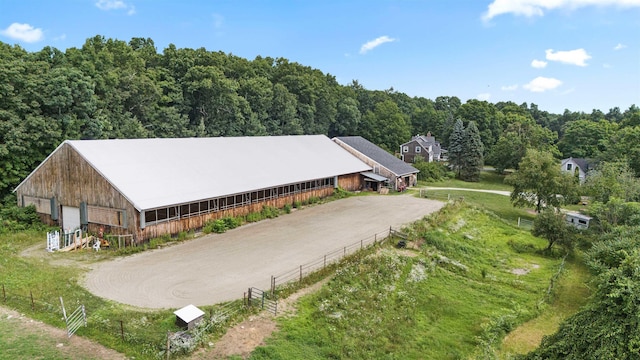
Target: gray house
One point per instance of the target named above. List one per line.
(576, 166)
(423, 146)
(387, 169)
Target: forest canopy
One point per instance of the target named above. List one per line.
(111, 88)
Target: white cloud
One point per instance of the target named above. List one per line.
(61, 37)
(606, 66)
(108, 5)
(23, 32)
(370, 45)
(509, 87)
(483, 97)
(619, 47)
(531, 8)
(542, 84)
(538, 64)
(573, 57)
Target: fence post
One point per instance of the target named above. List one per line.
(518, 221)
(273, 285)
(361, 244)
(122, 330)
(323, 265)
(64, 312)
(249, 297)
(300, 273)
(375, 239)
(4, 294)
(33, 306)
(345, 252)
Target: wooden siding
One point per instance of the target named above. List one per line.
(410, 156)
(71, 180)
(197, 222)
(351, 182)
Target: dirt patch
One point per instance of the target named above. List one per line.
(520, 271)
(243, 338)
(72, 348)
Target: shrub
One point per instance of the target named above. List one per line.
(232, 222)
(269, 212)
(287, 208)
(253, 217)
(297, 204)
(216, 226)
(14, 218)
(340, 193)
(431, 171)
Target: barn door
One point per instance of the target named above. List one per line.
(70, 218)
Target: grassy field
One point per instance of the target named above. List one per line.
(469, 280)
(571, 293)
(139, 333)
(453, 296)
(489, 180)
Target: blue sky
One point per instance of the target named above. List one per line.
(558, 54)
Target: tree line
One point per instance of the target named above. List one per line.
(110, 88)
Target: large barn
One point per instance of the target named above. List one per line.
(151, 187)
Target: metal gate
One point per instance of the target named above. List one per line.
(77, 318)
(257, 297)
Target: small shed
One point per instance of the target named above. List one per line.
(578, 220)
(189, 316)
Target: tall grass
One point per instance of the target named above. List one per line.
(452, 297)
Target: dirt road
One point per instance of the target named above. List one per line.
(220, 267)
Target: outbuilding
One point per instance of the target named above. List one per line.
(150, 187)
(386, 167)
(577, 220)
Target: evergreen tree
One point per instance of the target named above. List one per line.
(456, 146)
(472, 159)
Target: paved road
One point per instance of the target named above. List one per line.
(220, 267)
(499, 192)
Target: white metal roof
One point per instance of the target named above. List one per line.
(154, 173)
(189, 313)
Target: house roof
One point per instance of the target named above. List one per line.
(583, 164)
(379, 155)
(154, 173)
(425, 141)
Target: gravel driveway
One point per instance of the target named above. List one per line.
(220, 267)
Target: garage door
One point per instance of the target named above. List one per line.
(70, 218)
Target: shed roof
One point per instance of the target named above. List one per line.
(153, 173)
(189, 313)
(379, 155)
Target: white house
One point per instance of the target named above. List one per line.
(576, 165)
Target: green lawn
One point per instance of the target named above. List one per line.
(451, 297)
(489, 180)
(498, 204)
(571, 294)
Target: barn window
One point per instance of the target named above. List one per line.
(150, 216)
(569, 167)
(418, 149)
(405, 149)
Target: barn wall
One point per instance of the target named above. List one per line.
(68, 178)
(351, 182)
(174, 227)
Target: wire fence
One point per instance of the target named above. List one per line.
(156, 341)
(524, 223)
(303, 270)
